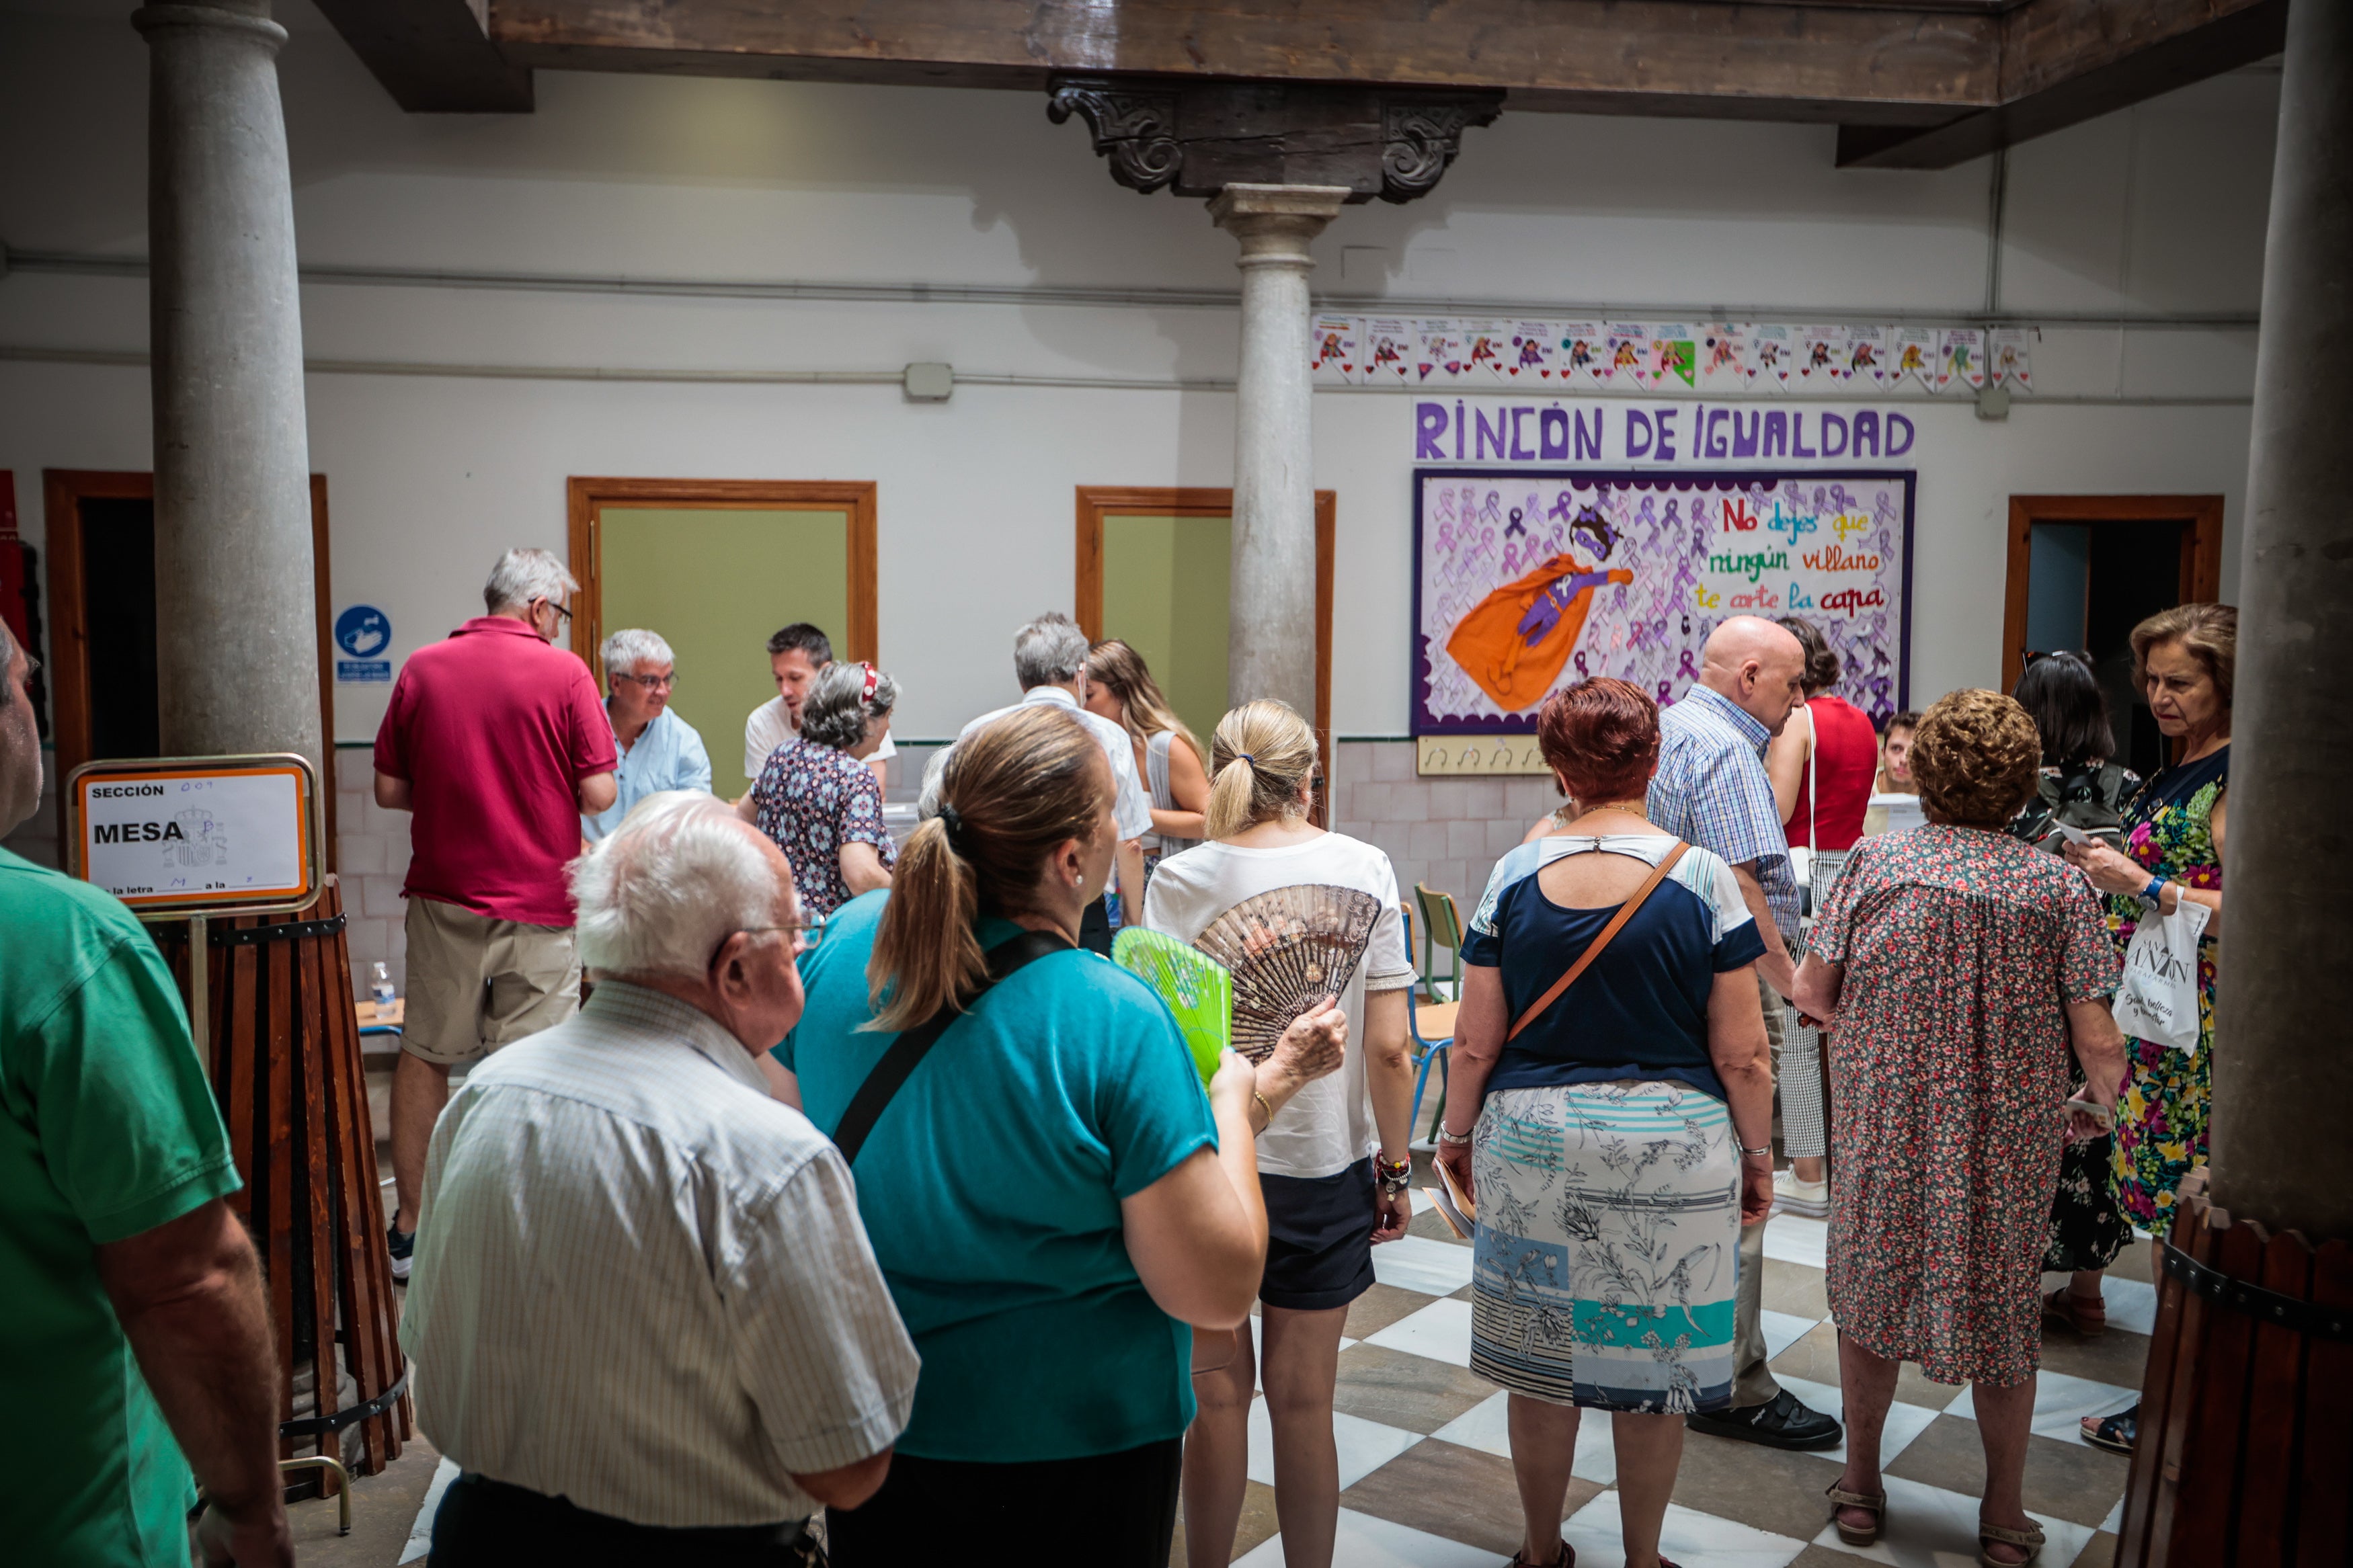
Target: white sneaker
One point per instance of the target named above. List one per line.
(1790, 1195)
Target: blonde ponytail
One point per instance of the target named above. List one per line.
(1262, 751)
(1011, 793)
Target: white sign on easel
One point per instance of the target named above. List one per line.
(216, 833)
(191, 837)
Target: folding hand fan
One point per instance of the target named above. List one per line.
(1288, 949)
(1197, 988)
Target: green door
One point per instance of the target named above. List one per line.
(715, 582)
(1165, 593)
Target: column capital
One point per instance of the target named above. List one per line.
(248, 17)
(1275, 223)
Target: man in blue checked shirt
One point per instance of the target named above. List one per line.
(657, 749)
(1712, 790)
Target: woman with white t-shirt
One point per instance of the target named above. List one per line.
(1332, 1163)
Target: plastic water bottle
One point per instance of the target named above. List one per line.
(380, 986)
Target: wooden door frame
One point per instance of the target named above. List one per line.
(2202, 552)
(1096, 503)
(586, 499)
(62, 492)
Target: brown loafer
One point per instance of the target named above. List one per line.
(2088, 1316)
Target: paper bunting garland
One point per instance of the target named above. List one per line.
(1388, 343)
(1332, 350)
(1717, 357)
(1915, 354)
(2007, 357)
(1437, 352)
(1960, 358)
(1724, 354)
(1531, 353)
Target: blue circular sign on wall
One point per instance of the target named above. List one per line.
(363, 632)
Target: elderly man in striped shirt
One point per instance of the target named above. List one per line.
(646, 1321)
(1712, 790)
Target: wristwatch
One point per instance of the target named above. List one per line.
(2155, 892)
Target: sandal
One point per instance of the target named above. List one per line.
(1874, 1502)
(1568, 1559)
(2088, 1316)
(2114, 1433)
(2031, 1538)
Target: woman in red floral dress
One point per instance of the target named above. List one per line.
(1960, 965)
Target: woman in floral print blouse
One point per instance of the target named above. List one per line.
(1958, 967)
(2184, 659)
(818, 799)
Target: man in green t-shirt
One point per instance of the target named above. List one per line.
(134, 1330)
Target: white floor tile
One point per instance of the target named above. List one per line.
(2114, 1523)
(1364, 1445)
(1904, 1422)
(1687, 1536)
(1928, 1527)
(420, 1531)
(1793, 1238)
(2061, 1403)
(1440, 1331)
(1418, 1263)
(2132, 1305)
(1364, 1542)
(1486, 1427)
(1783, 1330)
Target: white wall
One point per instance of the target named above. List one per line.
(2158, 208)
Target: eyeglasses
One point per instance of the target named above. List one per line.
(559, 609)
(812, 930)
(651, 682)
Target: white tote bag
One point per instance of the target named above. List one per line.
(2158, 999)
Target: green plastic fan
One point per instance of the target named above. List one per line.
(1198, 988)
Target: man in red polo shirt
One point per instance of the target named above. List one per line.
(499, 743)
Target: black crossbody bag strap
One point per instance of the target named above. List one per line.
(908, 1051)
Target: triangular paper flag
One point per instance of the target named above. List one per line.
(1960, 358)
(1332, 351)
(1769, 354)
(1821, 356)
(2009, 358)
(1914, 354)
(1724, 354)
(1437, 352)
(1533, 353)
(1584, 350)
(1866, 356)
(1388, 346)
(1630, 353)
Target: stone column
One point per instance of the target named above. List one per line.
(1271, 643)
(2282, 1076)
(236, 643)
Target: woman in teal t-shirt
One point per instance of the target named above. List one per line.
(1051, 1195)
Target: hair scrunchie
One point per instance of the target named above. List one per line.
(1248, 758)
(952, 820)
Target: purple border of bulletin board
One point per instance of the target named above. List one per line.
(1677, 479)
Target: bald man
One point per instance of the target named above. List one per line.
(1712, 789)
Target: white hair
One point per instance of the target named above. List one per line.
(678, 877)
(935, 773)
(1049, 651)
(625, 649)
(523, 576)
(836, 708)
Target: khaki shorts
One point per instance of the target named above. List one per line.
(476, 983)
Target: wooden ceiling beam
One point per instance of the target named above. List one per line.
(1783, 59)
(434, 56)
(2066, 61)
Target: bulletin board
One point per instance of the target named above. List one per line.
(1528, 580)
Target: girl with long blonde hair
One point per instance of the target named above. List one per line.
(1333, 1165)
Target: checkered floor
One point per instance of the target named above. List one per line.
(1426, 1473)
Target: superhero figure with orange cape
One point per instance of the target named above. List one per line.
(1514, 641)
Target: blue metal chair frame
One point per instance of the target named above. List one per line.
(1432, 1051)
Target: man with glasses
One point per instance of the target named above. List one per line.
(658, 749)
(723, 1356)
(497, 744)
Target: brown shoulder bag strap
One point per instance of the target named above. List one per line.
(1593, 949)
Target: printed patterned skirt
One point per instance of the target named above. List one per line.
(1608, 1246)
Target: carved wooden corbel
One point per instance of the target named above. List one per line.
(1134, 130)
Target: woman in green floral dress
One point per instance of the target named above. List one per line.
(2174, 830)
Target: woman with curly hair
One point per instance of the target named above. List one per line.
(819, 801)
(1958, 968)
